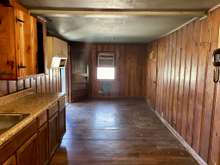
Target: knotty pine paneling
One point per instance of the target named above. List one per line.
(186, 95)
(40, 83)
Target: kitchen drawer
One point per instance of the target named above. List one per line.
(42, 119)
(53, 109)
(62, 103)
(9, 148)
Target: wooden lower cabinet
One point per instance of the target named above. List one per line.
(43, 143)
(62, 123)
(27, 153)
(38, 141)
(53, 134)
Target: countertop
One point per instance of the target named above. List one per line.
(33, 104)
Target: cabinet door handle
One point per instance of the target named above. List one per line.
(19, 20)
(21, 67)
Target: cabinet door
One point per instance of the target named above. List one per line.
(27, 153)
(21, 23)
(56, 46)
(62, 123)
(53, 134)
(60, 47)
(26, 43)
(32, 57)
(10, 161)
(43, 141)
(7, 44)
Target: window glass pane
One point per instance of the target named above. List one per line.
(105, 73)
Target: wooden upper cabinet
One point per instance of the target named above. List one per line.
(7, 44)
(60, 47)
(55, 48)
(26, 43)
(32, 65)
(18, 43)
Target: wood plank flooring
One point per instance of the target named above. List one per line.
(117, 132)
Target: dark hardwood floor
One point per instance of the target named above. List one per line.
(118, 132)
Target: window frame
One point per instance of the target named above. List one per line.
(113, 66)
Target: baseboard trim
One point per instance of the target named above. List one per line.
(180, 138)
(115, 97)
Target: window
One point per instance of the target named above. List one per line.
(105, 73)
(106, 67)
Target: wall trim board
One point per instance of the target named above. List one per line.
(181, 26)
(190, 21)
(178, 137)
(214, 8)
(116, 97)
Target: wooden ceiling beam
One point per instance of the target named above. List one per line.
(114, 12)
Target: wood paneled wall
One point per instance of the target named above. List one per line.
(41, 83)
(151, 73)
(79, 55)
(129, 60)
(180, 71)
(129, 63)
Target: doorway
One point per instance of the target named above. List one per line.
(63, 80)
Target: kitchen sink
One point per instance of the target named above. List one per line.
(8, 120)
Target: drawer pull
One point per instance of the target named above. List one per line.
(21, 67)
(19, 20)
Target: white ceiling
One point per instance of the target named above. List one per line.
(124, 4)
(124, 29)
(116, 28)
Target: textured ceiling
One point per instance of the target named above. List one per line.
(117, 28)
(124, 4)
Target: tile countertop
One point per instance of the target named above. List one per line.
(33, 104)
